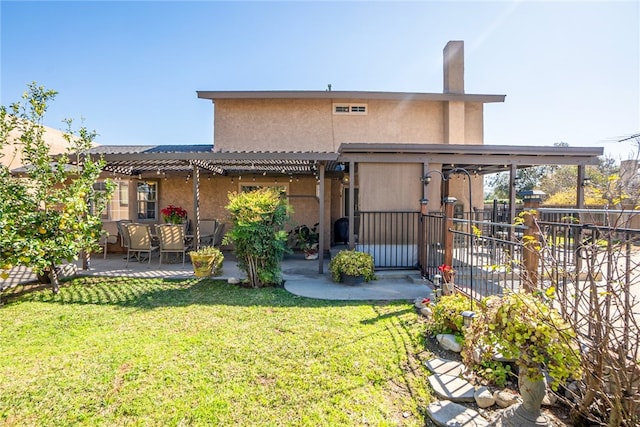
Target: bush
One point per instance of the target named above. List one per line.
(352, 263)
(447, 314)
(258, 234)
(523, 327)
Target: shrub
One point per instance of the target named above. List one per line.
(352, 263)
(523, 327)
(258, 219)
(447, 314)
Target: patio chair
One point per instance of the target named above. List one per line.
(105, 240)
(219, 234)
(207, 231)
(122, 231)
(172, 239)
(140, 240)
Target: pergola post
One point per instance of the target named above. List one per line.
(352, 202)
(196, 206)
(512, 197)
(321, 240)
(531, 246)
(580, 187)
(449, 203)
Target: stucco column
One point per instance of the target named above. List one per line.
(453, 74)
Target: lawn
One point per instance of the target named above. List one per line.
(122, 351)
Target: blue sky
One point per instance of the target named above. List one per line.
(570, 70)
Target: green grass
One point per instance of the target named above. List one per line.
(154, 352)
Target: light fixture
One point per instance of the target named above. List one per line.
(467, 317)
(586, 181)
(516, 180)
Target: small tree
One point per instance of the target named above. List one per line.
(51, 212)
(258, 233)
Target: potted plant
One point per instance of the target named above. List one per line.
(207, 261)
(174, 214)
(351, 266)
(524, 327)
(307, 239)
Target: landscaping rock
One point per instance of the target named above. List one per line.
(426, 312)
(452, 388)
(418, 303)
(448, 342)
(449, 414)
(442, 366)
(484, 398)
(505, 398)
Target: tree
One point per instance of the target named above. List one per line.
(50, 213)
(258, 233)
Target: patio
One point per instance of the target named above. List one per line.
(300, 277)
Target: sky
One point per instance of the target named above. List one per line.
(570, 70)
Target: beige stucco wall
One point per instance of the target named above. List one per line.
(390, 186)
(310, 125)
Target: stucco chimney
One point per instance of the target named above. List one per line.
(454, 67)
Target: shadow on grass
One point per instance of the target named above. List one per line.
(153, 293)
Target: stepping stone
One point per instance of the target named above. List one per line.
(452, 388)
(442, 366)
(449, 414)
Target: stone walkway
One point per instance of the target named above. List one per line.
(448, 384)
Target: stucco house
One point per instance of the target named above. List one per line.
(362, 156)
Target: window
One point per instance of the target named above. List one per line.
(101, 187)
(355, 109)
(147, 200)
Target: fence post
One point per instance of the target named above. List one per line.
(531, 245)
(447, 235)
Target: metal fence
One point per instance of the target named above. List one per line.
(391, 237)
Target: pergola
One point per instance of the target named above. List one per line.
(196, 160)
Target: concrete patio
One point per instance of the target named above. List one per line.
(300, 277)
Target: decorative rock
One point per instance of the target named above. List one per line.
(448, 342)
(426, 312)
(442, 366)
(418, 303)
(452, 388)
(483, 397)
(549, 399)
(449, 414)
(505, 398)
(233, 280)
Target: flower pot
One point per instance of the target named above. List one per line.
(348, 279)
(202, 264)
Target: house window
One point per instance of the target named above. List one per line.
(147, 200)
(101, 187)
(354, 109)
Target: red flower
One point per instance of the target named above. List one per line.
(444, 268)
(173, 214)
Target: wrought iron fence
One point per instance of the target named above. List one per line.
(391, 237)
